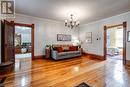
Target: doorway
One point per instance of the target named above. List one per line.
(115, 42)
(24, 41)
(8, 45)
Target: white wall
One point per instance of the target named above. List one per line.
(97, 46)
(45, 31)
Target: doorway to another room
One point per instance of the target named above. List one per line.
(115, 42)
(23, 42)
(24, 45)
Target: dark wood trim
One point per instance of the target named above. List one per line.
(112, 26)
(128, 36)
(14, 39)
(21, 24)
(32, 41)
(105, 42)
(39, 57)
(124, 24)
(2, 40)
(124, 42)
(100, 57)
(32, 34)
(127, 62)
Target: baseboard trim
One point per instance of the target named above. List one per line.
(94, 56)
(39, 57)
(127, 62)
(88, 54)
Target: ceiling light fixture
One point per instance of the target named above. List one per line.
(72, 22)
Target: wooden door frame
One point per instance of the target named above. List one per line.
(32, 35)
(124, 24)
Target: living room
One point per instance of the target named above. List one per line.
(48, 22)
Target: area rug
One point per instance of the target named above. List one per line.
(83, 85)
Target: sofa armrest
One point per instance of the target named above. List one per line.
(54, 54)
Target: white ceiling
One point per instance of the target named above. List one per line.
(85, 10)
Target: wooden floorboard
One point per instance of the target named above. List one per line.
(68, 73)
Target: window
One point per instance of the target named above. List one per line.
(119, 38)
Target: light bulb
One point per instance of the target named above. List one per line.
(65, 21)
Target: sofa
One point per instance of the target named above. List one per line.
(65, 51)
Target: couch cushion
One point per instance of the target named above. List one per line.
(68, 53)
(59, 49)
(73, 48)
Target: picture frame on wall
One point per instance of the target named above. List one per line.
(128, 36)
(89, 37)
(63, 37)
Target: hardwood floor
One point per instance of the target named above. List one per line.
(69, 73)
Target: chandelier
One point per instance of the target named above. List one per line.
(72, 22)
